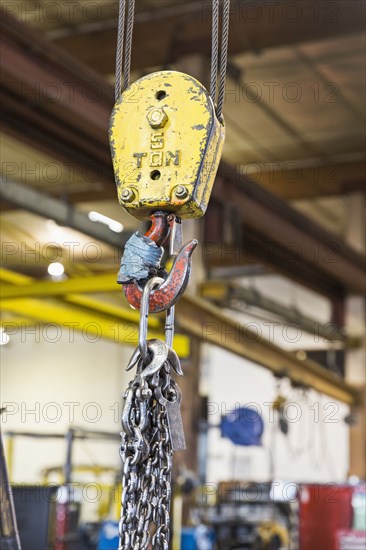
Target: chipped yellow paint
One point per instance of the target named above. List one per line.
(166, 144)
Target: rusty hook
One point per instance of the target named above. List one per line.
(160, 228)
(173, 287)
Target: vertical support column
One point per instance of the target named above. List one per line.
(356, 322)
(191, 409)
(187, 460)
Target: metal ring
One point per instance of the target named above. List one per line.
(144, 315)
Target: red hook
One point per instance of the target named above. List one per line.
(160, 228)
(170, 291)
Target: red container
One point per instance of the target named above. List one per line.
(324, 511)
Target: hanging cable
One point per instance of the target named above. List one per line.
(128, 48)
(124, 46)
(124, 49)
(215, 47)
(223, 58)
(119, 52)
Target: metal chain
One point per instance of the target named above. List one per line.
(147, 456)
(148, 437)
(124, 48)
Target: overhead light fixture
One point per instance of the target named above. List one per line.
(56, 269)
(113, 225)
(4, 338)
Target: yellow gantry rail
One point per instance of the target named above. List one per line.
(59, 303)
(197, 318)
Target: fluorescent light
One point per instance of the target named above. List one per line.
(56, 269)
(113, 225)
(4, 338)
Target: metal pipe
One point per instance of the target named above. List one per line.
(25, 197)
(233, 297)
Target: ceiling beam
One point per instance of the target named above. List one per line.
(280, 235)
(164, 35)
(200, 318)
(315, 178)
(237, 298)
(52, 101)
(63, 213)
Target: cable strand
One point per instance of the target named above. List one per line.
(128, 48)
(223, 58)
(119, 53)
(215, 48)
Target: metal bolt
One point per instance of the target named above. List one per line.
(157, 118)
(128, 195)
(181, 192)
(146, 393)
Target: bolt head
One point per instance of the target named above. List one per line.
(157, 118)
(146, 393)
(128, 195)
(181, 192)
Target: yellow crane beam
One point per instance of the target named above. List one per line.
(196, 317)
(92, 325)
(22, 286)
(94, 318)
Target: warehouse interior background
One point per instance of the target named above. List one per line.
(273, 319)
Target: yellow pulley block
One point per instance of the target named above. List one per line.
(166, 144)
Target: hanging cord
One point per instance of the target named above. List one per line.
(223, 58)
(124, 48)
(128, 49)
(215, 47)
(120, 41)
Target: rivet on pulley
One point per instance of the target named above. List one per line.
(181, 192)
(128, 195)
(157, 118)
